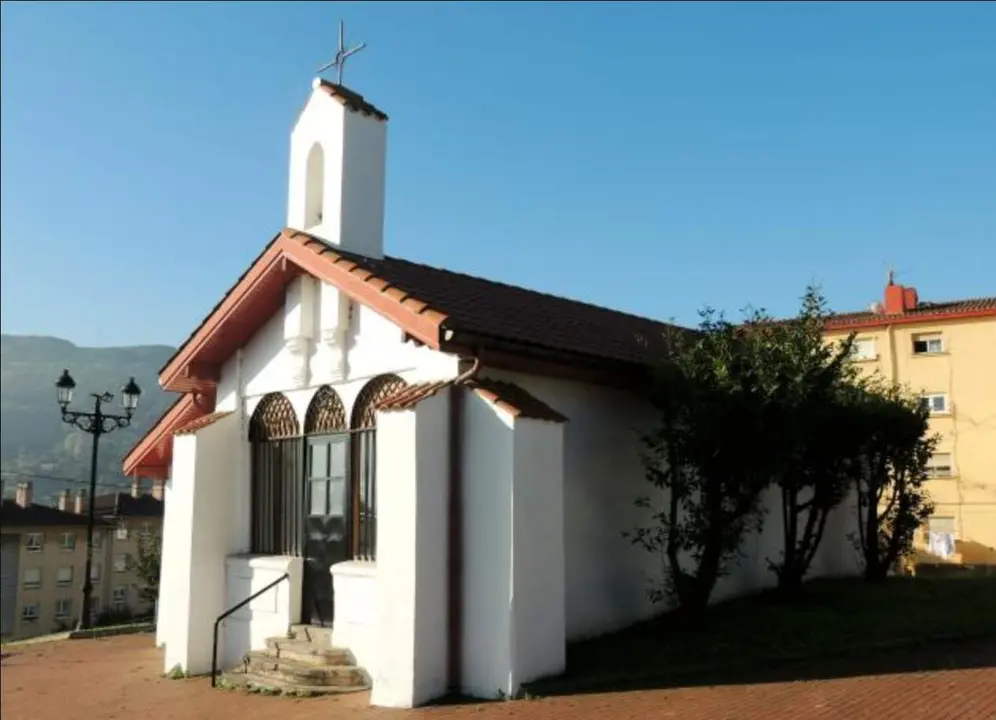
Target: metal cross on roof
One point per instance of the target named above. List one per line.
(341, 55)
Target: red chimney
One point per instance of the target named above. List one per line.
(64, 499)
(79, 502)
(24, 494)
(899, 299)
(136, 487)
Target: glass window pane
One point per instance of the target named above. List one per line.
(337, 459)
(337, 496)
(319, 460)
(319, 497)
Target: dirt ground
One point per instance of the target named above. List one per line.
(120, 677)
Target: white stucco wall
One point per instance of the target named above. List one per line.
(357, 611)
(354, 149)
(606, 577)
(267, 616)
(412, 493)
(199, 524)
(538, 555)
(513, 568)
(488, 472)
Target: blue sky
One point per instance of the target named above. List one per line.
(651, 157)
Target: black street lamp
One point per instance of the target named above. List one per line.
(95, 423)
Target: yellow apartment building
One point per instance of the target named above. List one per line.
(44, 558)
(946, 351)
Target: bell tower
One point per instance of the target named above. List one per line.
(337, 165)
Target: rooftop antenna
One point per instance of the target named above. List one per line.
(341, 55)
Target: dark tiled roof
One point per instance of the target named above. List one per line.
(200, 423)
(507, 312)
(13, 514)
(925, 310)
(125, 505)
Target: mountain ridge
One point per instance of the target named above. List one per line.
(35, 444)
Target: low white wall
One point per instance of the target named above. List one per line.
(412, 492)
(606, 576)
(269, 615)
(200, 494)
(357, 610)
(488, 470)
(514, 627)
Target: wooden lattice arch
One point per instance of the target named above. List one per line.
(326, 413)
(365, 409)
(274, 419)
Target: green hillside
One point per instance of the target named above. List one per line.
(33, 439)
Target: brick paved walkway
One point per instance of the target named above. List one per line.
(119, 678)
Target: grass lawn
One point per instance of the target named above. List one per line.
(829, 618)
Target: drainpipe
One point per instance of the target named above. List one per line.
(240, 465)
(455, 534)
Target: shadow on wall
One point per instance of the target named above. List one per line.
(972, 560)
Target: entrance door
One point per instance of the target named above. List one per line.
(326, 537)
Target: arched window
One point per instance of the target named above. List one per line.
(277, 497)
(314, 190)
(363, 455)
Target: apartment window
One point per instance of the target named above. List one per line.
(863, 349)
(121, 533)
(146, 532)
(63, 608)
(34, 542)
(120, 597)
(936, 403)
(939, 466)
(927, 344)
(120, 562)
(67, 541)
(98, 540)
(94, 572)
(29, 613)
(32, 578)
(64, 576)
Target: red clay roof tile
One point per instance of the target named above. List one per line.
(925, 310)
(510, 397)
(514, 400)
(351, 99)
(200, 423)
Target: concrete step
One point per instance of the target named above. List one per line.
(320, 636)
(306, 652)
(239, 679)
(304, 673)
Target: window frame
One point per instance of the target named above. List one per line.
(30, 546)
(950, 465)
(68, 608)
(67, 547)
(928, 397)
(123, 557)
(25, 585)
(121, 532)
(861, 342)
(64, 583)
(925, 339)
(30, 617)
(116, 601)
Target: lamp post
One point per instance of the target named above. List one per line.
(95, 423)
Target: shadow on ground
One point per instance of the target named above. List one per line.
(833, 629)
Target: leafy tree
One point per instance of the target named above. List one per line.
(814, 441)
(147, 565)
(891, 473)
(702, 455)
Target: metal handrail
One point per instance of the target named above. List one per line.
(218, 621)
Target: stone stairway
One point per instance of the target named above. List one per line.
(303, 663)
